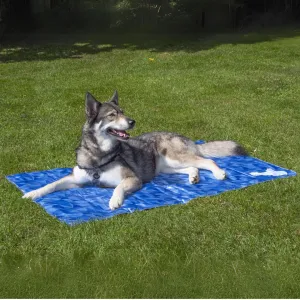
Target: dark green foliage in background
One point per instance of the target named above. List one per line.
(145, 15)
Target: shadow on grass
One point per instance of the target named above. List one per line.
(58, 46)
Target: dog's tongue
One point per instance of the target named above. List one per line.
(121, 133)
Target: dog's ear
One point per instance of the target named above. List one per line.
(91, 106)
(115, 98)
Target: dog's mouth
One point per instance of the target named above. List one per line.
(122, 134)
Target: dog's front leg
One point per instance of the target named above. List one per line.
(77, 179)
(128, 185)
(64, 183)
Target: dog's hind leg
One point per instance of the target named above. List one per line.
(128, 185)
(178, 152)
(210, 165)
(191, 171)
(189, 160)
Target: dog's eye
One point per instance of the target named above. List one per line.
(112, 114)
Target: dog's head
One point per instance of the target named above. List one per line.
(107, 118)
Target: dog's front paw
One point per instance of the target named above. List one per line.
(31, 195)
(115, 202)
(220, 174)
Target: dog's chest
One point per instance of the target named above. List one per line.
(111, 177)
(108, 178)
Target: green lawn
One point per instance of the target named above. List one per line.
(244, 87)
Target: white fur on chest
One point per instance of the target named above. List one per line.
(109, 178)
(81, 176)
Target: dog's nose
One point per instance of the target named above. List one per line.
(131, 122)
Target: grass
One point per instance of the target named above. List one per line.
(240, 244)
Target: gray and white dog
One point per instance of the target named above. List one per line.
(108, 157)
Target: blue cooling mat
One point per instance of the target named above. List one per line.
(84, 204)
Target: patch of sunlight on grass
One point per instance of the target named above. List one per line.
(8, 51)
(105, 46)
(81, 44)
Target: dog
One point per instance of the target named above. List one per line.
(109, 157)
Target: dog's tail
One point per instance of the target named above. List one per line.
(221, 148)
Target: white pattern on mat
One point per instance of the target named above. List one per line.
(269, 172)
